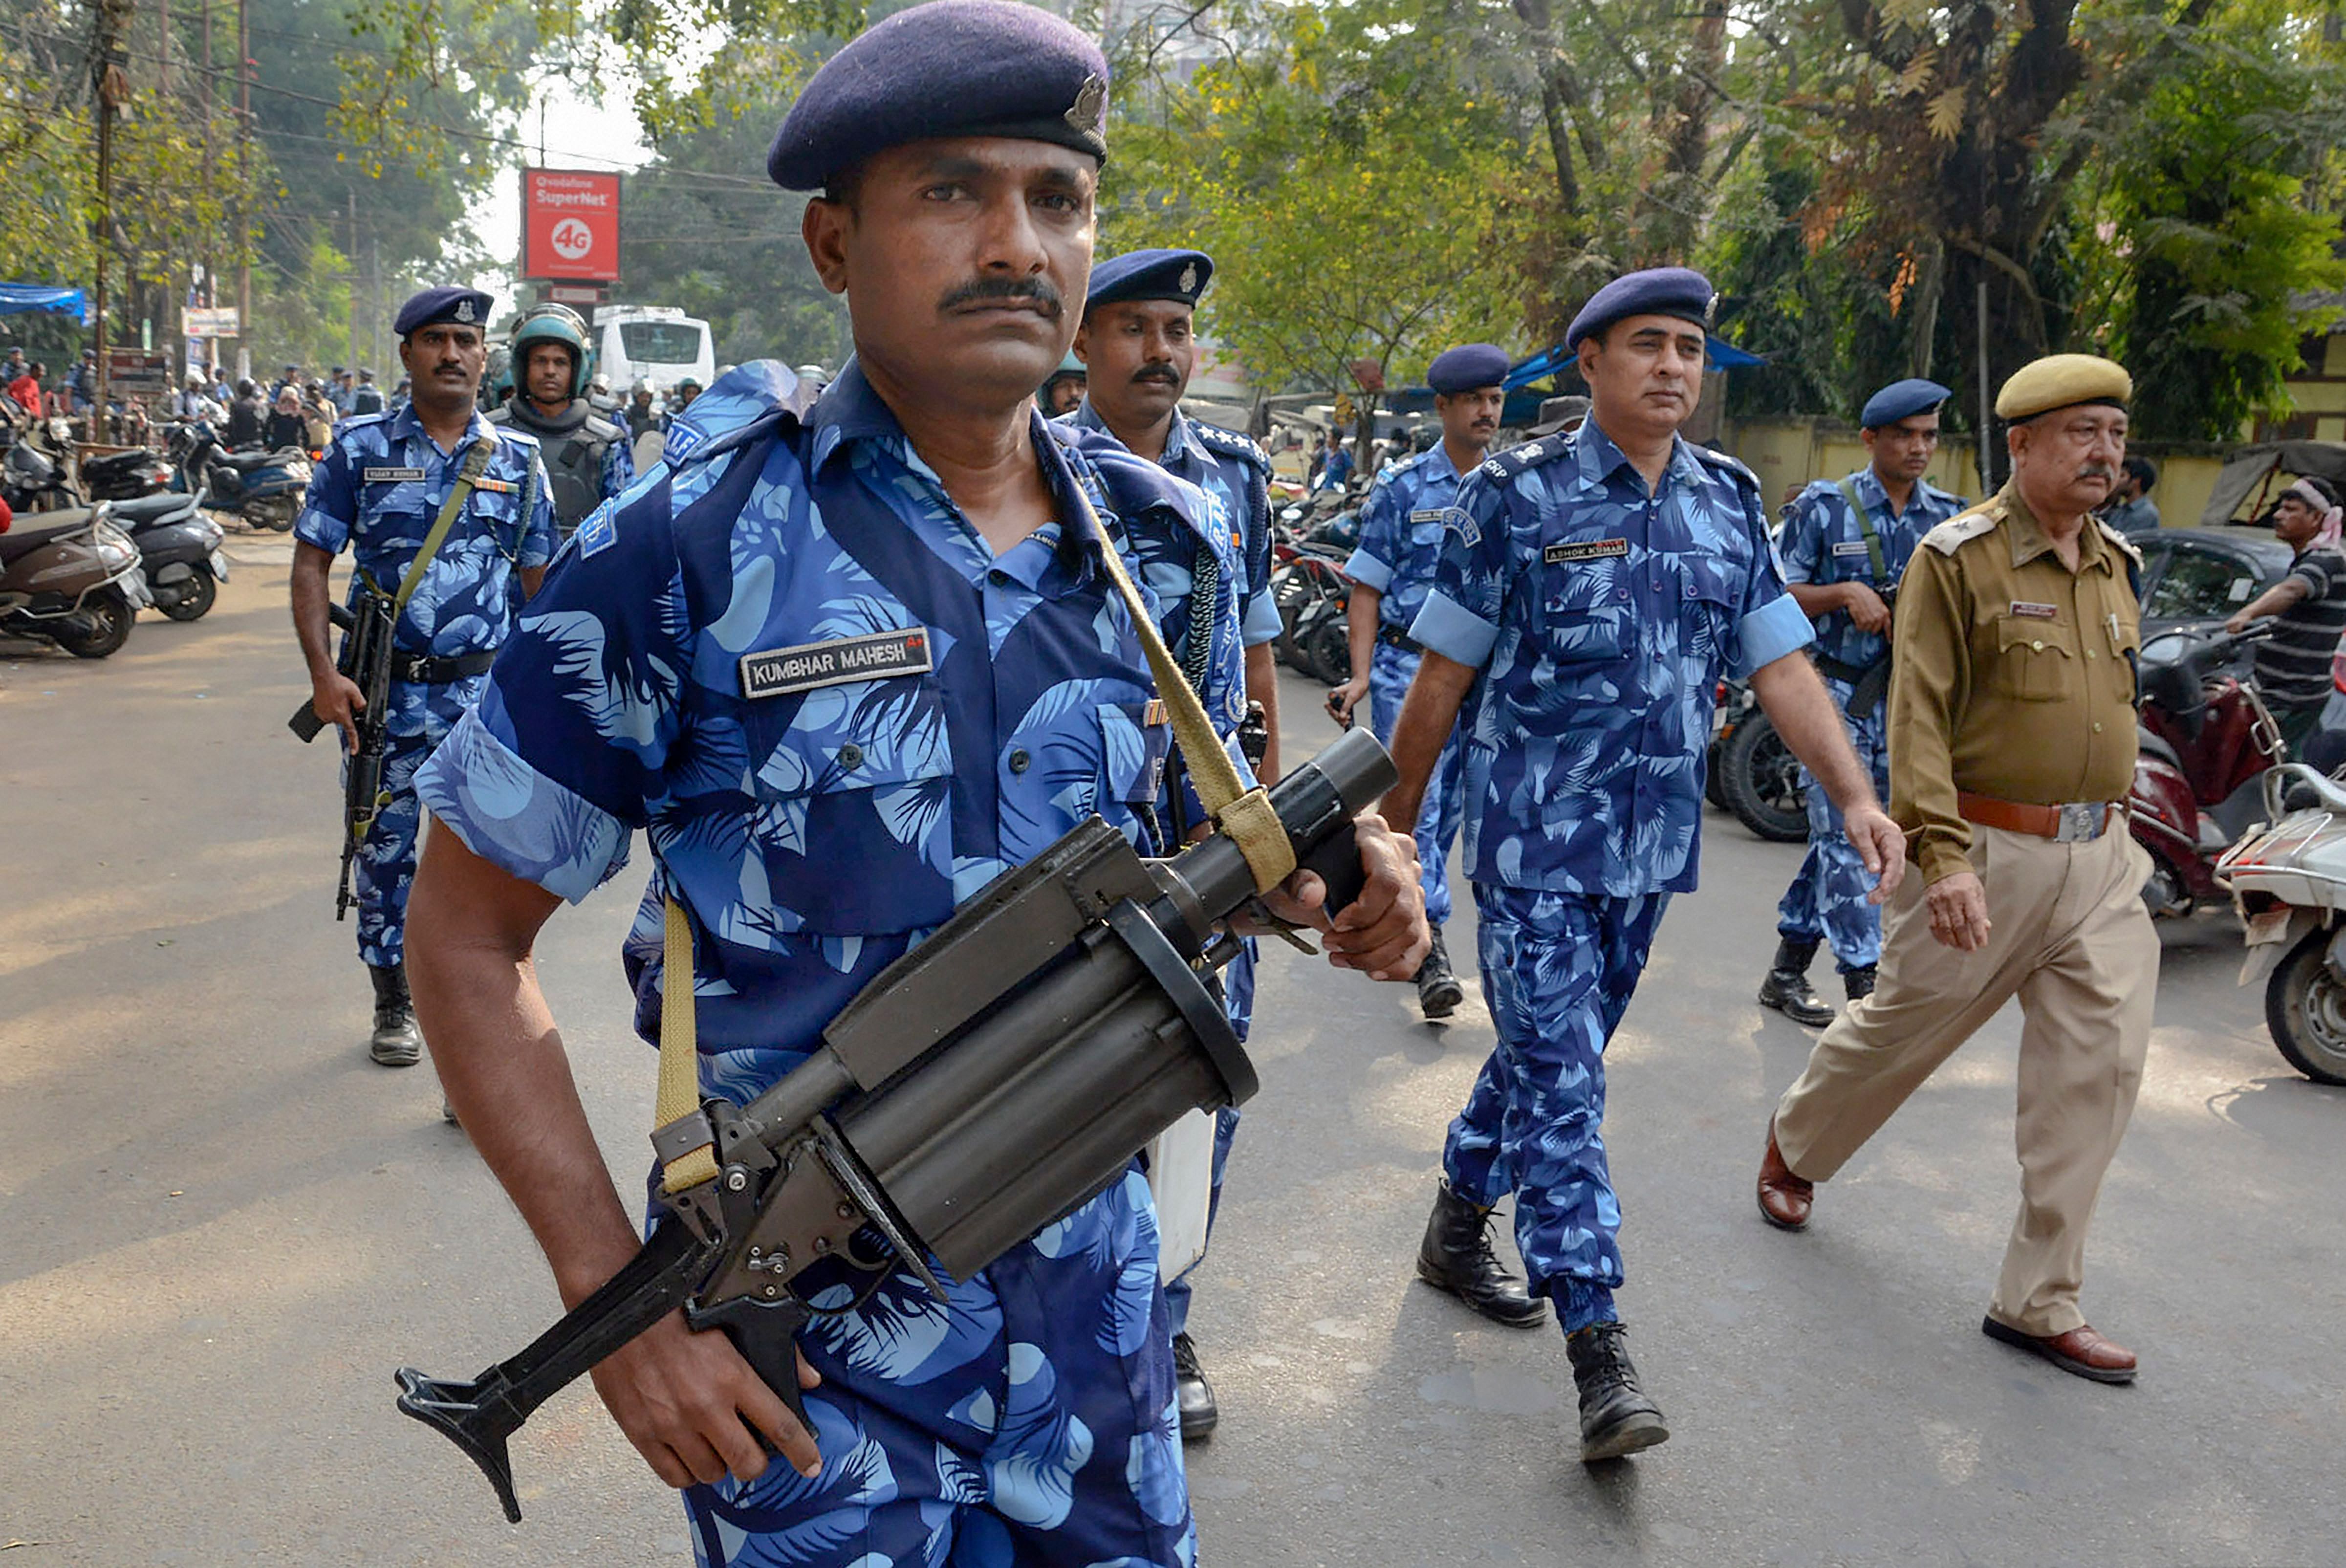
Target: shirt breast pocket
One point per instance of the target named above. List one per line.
(2032, 664)
(1585, 600)
(852, 831)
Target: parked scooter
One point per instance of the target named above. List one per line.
(2204, 741)
(2288, 883)
(124, 475)
(178, 550)
(70, 578)
(264, 487)
(32, 480)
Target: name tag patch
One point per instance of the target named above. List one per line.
(1849, 547)
(1585, 550)
(779, 672)
(390, 475)
(1430, 515)
(2022, 608)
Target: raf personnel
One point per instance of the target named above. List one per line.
(1844, 545)
(1063, 390)
(587, 457)
(366, 397)
(2012, 745)
(1392, 571)
(812, 836)
(1592, 588)
(381, 492)
(1136, 347)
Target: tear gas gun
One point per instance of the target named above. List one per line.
(995, 1077)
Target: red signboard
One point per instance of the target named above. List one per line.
(569, 224)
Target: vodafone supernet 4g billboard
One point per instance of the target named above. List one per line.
(570, 225)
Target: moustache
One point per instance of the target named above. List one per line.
(2097, 470)
(983, 291)
(1165, 373)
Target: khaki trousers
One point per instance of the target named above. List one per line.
(2070, 936)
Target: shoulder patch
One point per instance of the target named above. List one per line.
(365, 421)
(1517, 459)
(2123, 544)
(1961, 529)
(1230, 444)
(1717, 459)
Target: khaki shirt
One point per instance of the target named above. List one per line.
(2009, 674)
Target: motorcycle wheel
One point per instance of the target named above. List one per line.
(276, 515)
(1326, 647)
(1761, 780)
(204, 594)
(103, 625)
(1714, 778)
(2305, 1010)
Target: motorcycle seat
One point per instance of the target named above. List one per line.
(35, 529)
(119, 461)
(2156, 746)
(245, 462)
(149, 508)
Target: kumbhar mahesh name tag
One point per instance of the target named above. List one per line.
(1585, 550)
(777, 672)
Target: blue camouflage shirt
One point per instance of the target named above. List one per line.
(695, 666)
(378, 491)
(1400, 533)
(1602, 616)
(1821, 542)
(1234, 473)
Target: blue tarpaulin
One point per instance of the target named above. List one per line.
(15, 299)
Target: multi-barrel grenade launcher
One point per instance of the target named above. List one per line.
(988, 1082)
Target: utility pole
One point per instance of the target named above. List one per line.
(375, 299)
(243, 192)
(352, 194)
(109, 87)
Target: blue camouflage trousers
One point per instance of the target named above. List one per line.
(1029, 1422)
(421, 716)
(1443, 807)
(1827, 899)
(1238, 994)
(1558, 971)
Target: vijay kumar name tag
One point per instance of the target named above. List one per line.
(390, 475)
(1585, 550)
(2027, 611)
(779, 672)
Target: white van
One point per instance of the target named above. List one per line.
(651, 342)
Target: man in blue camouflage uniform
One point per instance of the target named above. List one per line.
(1844, 544)
(1597, 585)
(1138, 348)
(1391, 569)
(922, 513)
(377, 492)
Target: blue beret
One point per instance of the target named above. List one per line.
(1466, 367)
(1152, 274)
(446, 303)
(1678, 291)
(1901, 400)
(945, 68)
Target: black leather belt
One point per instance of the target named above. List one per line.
(428, 669)
(1395, 638)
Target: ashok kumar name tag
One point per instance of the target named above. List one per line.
(1585, 550)
(779, 672)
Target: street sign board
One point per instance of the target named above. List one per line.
(575, 293)
(570, 225)
(135, 372)
(208, 321)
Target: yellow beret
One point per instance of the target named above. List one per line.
(2058, 380)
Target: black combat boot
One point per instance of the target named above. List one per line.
(395, 1042)
(1615, 1416)
(1438, 991)
(1787, 987)
(1456, 1257)
(1198, 1412)
(1859, 983)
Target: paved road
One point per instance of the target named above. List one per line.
(223, 1227)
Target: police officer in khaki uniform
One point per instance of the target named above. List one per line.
(2012, 742)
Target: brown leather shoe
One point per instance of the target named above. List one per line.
(1784, 1198)
(2081, 1352)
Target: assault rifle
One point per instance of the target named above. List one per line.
(995, 1077)
(365, 660)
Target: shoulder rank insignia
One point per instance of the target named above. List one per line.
(1962, 528)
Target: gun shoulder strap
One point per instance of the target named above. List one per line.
(476, 463)
(680, 1057)
(1873, 556)
(1246, 815)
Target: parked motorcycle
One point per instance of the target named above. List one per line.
(1312, 593)
(2204, 741)
(70, 578)
(178, 550)
(124, 475)
(265, 488)
(32, 480)
(2288, 883)
(1751, 773)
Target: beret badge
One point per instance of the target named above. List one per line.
(1091, 99)
(1189, 279)
(464, 311)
